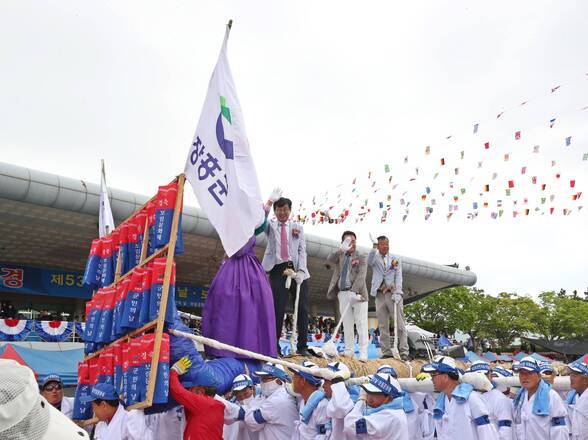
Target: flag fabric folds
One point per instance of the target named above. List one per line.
(220, 167)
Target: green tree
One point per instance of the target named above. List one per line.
(448, 310)
(511, 317)
(562, 316)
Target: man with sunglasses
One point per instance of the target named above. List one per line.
(52, 390)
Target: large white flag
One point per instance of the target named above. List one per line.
(105, 220)
(219, 165)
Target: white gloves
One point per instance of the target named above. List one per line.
(397, 297)
(299, 278)
(346, 245)
(276, 194)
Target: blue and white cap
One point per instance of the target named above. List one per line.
(241, 382)
(101, 391)
(313, 380)
(499, 371)
(545, 367)
(340, 368)
(51, 378)
(528, 363)
(479, 366)
(383, 383)
(388, 369)
(444, 364)
(273, 370)
(580, 366)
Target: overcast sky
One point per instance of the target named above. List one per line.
(330, 90)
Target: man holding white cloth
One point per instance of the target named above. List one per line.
(348, 285)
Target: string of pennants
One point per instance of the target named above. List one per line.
(506, 175)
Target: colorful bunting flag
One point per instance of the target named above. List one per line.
(572, 183)
(442, 161)
(523, 170)
(506, 157)
(568, 141)
(487, 145)
(511, 183)
(517, 135)
(386, 168)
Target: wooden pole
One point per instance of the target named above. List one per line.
(165, 289)
(145, 244)
(118, 266)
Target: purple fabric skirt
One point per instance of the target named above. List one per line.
(239, 308)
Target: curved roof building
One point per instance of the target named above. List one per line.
(48, 221)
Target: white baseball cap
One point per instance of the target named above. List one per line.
(241, 382)
(341, 370)
(25, 414)
(383, 383)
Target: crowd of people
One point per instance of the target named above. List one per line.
(278, 404)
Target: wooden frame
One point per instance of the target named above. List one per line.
(169, 251)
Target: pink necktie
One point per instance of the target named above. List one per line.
(284, 243)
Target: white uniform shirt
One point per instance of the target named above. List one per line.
(67, 404)
(123, 426)
(459, 420)
(501, 415)
(426, 404)
(236, 429)
(340, 404)
(534, 427)
(166, 425)
(387, 424)
(413, 420)
(274, 418)
(318, 426)
(578, 412)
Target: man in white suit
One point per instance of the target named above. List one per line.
(387, 289)
(286, 249)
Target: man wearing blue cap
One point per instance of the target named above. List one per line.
(413, 410)
(195, 392)
(539, 412)
(577, 400)
(340, 402)
(378, 415)
(274, 418)
(243, 391)
(313, 422)
(498, 404)
(115, 423)
(459, 411)
(52, 390)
